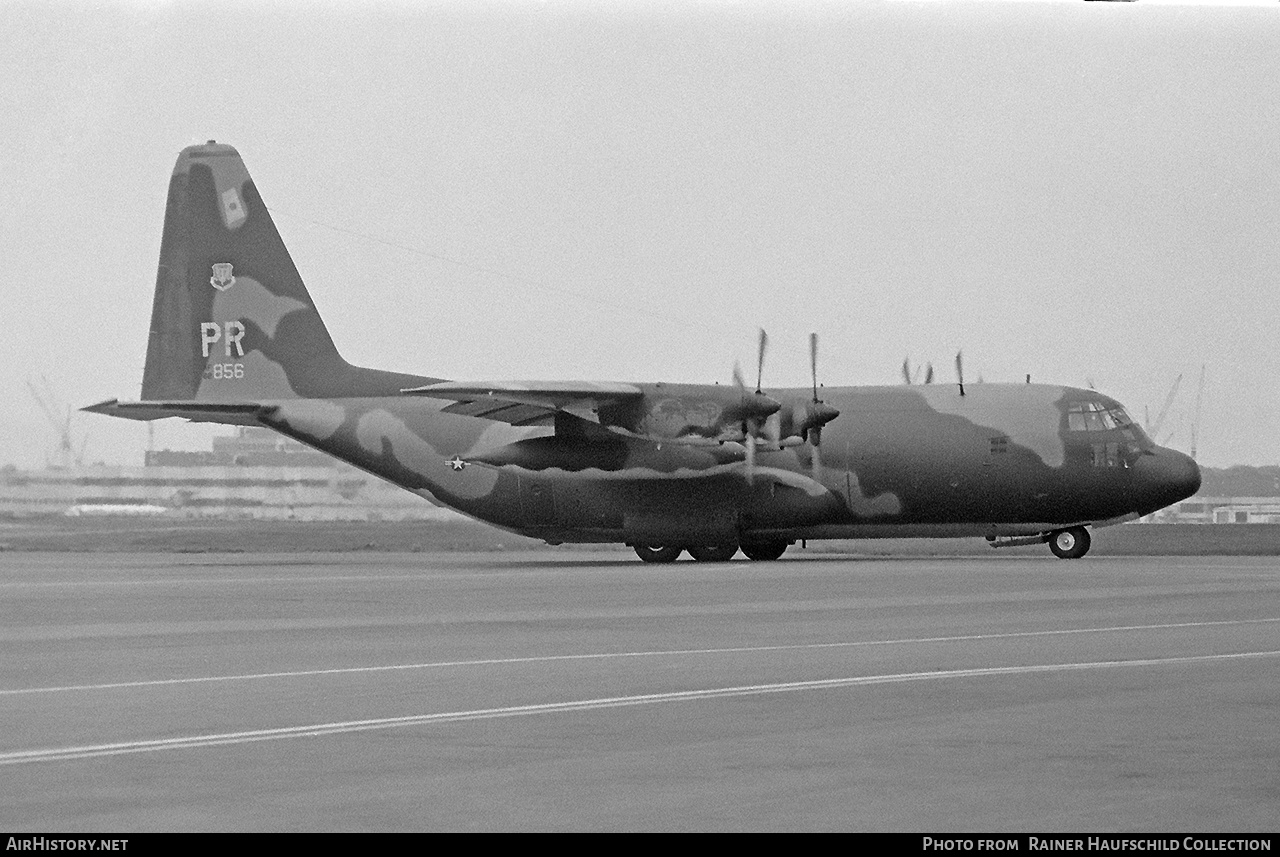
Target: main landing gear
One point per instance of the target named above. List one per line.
(711, 553)
(1069, 544)
(658, 553)
(764, 551)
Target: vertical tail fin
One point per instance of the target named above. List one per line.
(232, 320)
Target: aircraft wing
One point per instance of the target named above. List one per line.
(245, 413)
(526, 403)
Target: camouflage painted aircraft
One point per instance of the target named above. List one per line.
(665, 468)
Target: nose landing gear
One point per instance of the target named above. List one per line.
(1069, 544)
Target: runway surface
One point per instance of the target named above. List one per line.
(587, 691)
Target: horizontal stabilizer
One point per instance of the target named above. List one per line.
(233, 413)
(528, 402)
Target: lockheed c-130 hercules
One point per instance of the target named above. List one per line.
(665, 468)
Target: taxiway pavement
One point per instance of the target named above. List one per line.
(587, 691)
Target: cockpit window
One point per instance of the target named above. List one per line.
(1095, 416)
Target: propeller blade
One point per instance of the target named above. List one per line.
(815, 460)
(906, 369)
(764, 342)
(750, 443)
(737, 375)
(813, 362)
(928, 374)
(960, 370)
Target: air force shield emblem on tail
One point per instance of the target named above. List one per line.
(222, 278)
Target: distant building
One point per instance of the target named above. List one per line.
(1221, 510)
(255, 473)
(1242, 494)
(249, 447)
(1250, 514)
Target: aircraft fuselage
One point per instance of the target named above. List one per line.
(1002, 460)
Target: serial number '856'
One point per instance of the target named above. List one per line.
(221, 371)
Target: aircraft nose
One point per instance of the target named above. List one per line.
(1165, 477)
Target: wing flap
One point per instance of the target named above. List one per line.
(527, 402)
(504, 412)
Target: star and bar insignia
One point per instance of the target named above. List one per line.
(456, 463)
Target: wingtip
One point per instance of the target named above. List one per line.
(103, 407)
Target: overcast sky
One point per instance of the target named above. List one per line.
(1084, 192)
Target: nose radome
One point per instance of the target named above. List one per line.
(1187, 476)
(1182, 473)
(1166, 477)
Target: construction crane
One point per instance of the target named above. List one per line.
(68, 453)
(1153, 428)
(1195, 419)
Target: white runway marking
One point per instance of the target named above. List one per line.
(220, 581)
(608, 655)
(336, 728)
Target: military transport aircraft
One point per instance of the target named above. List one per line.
(665, 468)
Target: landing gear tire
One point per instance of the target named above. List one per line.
(765, 551)
(1070, 544)
(713, 553)
(659, 553)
